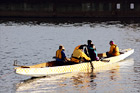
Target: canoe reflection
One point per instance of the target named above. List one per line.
(86, 79)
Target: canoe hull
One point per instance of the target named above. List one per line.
(36, 71)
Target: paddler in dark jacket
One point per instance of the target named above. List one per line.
(89, 42)
(92, 53)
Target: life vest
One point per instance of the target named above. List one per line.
(77, 55)
(77, 47)
(58, 54)
(114, 50)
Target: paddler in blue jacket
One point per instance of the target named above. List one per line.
(60, 55)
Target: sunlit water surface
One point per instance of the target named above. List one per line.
(31, 44)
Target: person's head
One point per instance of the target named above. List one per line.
(61, 47)
(93, 46)
(111, 42)
(89, 42)
(81, 47)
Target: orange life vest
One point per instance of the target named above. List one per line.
(58, 54)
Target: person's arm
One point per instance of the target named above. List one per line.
(85, 56)
(64, 56)
(97, 58)
(117, 49)
(85, 50)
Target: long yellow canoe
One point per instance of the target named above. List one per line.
(50, 68)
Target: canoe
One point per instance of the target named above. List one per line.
(51, 68)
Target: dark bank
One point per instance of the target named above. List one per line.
(110, 9)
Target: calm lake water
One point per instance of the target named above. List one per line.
(36, 43)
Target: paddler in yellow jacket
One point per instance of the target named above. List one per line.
(79, 46)
(114, 50)
(78, 55)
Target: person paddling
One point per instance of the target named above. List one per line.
(92, 53)
(79, 56)
(60, 55)
(79, 46)
(114, 50)
(89, 42)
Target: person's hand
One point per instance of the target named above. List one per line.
(68, 59)
(97, 58)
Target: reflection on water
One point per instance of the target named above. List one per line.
(77, 81)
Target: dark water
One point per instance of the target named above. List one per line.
(36, 43)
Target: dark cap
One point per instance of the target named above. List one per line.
(89, 42)
(81, 47)
(111, 42)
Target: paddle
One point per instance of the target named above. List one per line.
(105, 60)
(102, 56)
(54, 57)
(102, 59)
(15, 64)
(92, 67)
